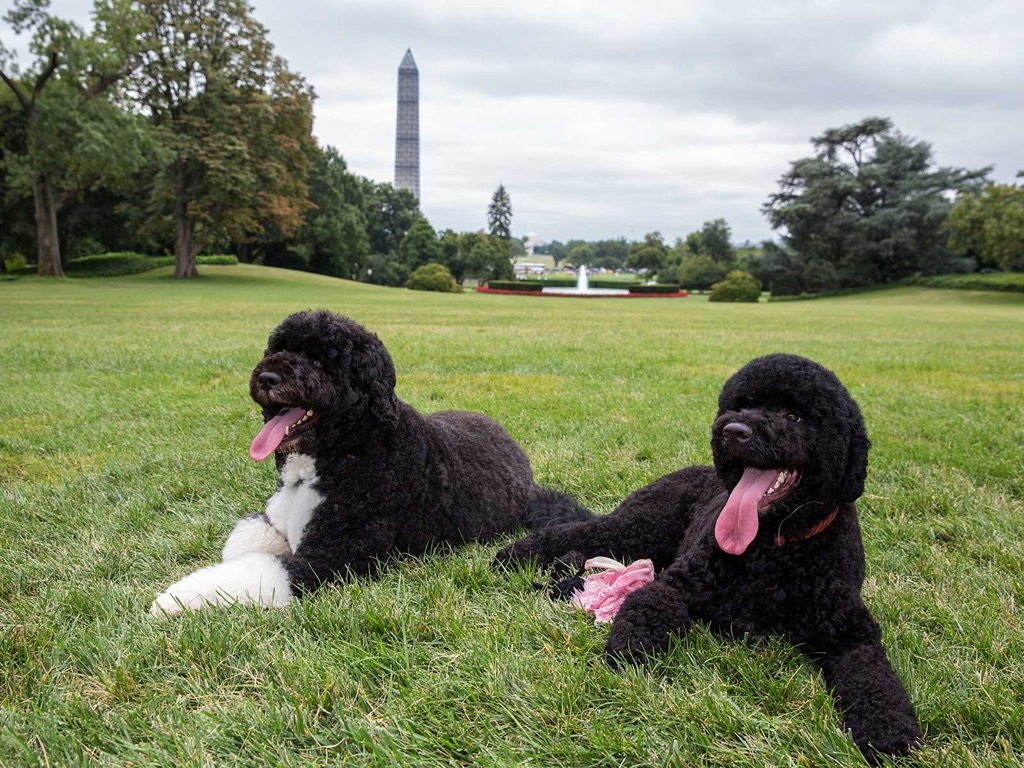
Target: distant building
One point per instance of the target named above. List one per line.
(531, 242)
(407, 133)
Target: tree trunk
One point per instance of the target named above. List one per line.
(185, 247)
(48, 260)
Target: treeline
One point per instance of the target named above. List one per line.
(172, 128)
(359, 229)
(868, 208)
(698, 261)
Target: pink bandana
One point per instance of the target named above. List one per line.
(603, 592)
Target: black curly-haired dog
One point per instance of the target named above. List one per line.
(765, 542)
(361, 475)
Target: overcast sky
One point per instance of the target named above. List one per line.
(615, 118)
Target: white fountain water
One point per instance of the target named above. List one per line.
(583, 287)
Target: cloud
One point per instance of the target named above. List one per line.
(608, 119)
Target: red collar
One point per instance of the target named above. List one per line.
(814, 530)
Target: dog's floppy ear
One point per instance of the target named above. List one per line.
(375, 373)
(851, 485)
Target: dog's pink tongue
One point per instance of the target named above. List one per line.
(272, 434)
(737, 522)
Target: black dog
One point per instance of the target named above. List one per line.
(361, 475)
(765, 542)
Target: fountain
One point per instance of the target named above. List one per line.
(583, 287)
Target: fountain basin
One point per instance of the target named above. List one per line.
(587, 291)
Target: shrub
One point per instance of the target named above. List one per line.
(284, 257)
(433, 277)
(14, 263)
(218, 259)
(737, 286)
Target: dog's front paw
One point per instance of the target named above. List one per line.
(176, 600)
(645, 624)
(253, 578)
(521, 553)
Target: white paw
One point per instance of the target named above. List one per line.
(254, 578)
(254, 534)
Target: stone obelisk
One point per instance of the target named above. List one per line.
(407, 135)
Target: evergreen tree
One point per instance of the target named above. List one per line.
(868, 208)
(499, 214)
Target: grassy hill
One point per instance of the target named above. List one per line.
(124, 428)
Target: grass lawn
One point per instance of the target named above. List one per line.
(124, 429)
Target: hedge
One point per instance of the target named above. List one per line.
(516, 285)
(128, 263)
(658, 288)
(989, 281)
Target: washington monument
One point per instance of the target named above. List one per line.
(407, 134)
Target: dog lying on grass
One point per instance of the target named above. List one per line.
(362, 476)
(765, 542)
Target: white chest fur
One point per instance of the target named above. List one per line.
(291, 507)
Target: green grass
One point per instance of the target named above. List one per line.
(124, 427)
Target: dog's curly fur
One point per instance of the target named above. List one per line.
(363, 476)
(799, 577)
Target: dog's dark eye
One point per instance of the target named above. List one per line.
(793, 416)
(318, 364)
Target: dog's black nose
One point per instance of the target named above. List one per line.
(737, 432)
(268, 379)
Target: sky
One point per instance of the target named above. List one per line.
(607, 119)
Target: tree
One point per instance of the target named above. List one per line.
(499, 214)
(649, 254)
(499, 224)
(581, 254)
(989, 226)
(868, 205)
(335, 228)
(419, 246)
(715, 240)
(785, 273)
(235, 121)
(487, 257)
(389, 214)
(697, 273)
(74, 139)
(610, 254)
(453, 255)
(17, 236)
